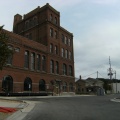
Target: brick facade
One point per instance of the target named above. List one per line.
(39, 35)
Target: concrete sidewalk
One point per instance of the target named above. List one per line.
(9, 102)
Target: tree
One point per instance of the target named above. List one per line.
(5, 52)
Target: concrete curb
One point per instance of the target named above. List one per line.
(24, 110)
(17, 116)
(11, 100)
(19, 104)
(26, 106)
(115, 100)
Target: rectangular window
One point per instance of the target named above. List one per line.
(17, 49)
(55, 34)
(56, 50)
(26, 24)
(62, 52)
(70, 55)
(51, 17)
(62, 37)
(51, 48)
(43, 63)
(38, 62)
(66, 40)
(32, 61)
(30, 36)
(55, 20)
(51, 66)
(57, 67)
(66, 53)
(9, 60)
(64, 69)
(35, 20)
(70, 70)
(26, 64)
(69, 42)
(51, 32)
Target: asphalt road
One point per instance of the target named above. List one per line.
(75, 108)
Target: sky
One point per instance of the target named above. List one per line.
(95, 25)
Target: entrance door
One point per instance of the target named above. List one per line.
(7, 84)
(42, 86)
(28, 84)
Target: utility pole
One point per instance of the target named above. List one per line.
(110, 73)
(110, 70)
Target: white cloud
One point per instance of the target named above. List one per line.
(63, 3)
(92, 52)
(105, 1)
(95, 29)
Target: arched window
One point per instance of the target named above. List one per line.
(42, 85)
(26, 61)
(64, 87)
(51, 66)
(27, 84)
(7, 84)
(71, 89)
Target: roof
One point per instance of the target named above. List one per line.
(89, 80)
(23, 41)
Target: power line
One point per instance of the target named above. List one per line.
(101, 75)
(89, 75)
(94, 73)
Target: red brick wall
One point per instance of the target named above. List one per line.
(40, 44)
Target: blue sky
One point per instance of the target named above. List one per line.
(95, 25)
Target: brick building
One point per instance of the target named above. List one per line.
(43, 59)
(89, 86)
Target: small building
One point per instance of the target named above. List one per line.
(116, 87)
(88, 86)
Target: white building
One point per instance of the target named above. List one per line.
(116, 87)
